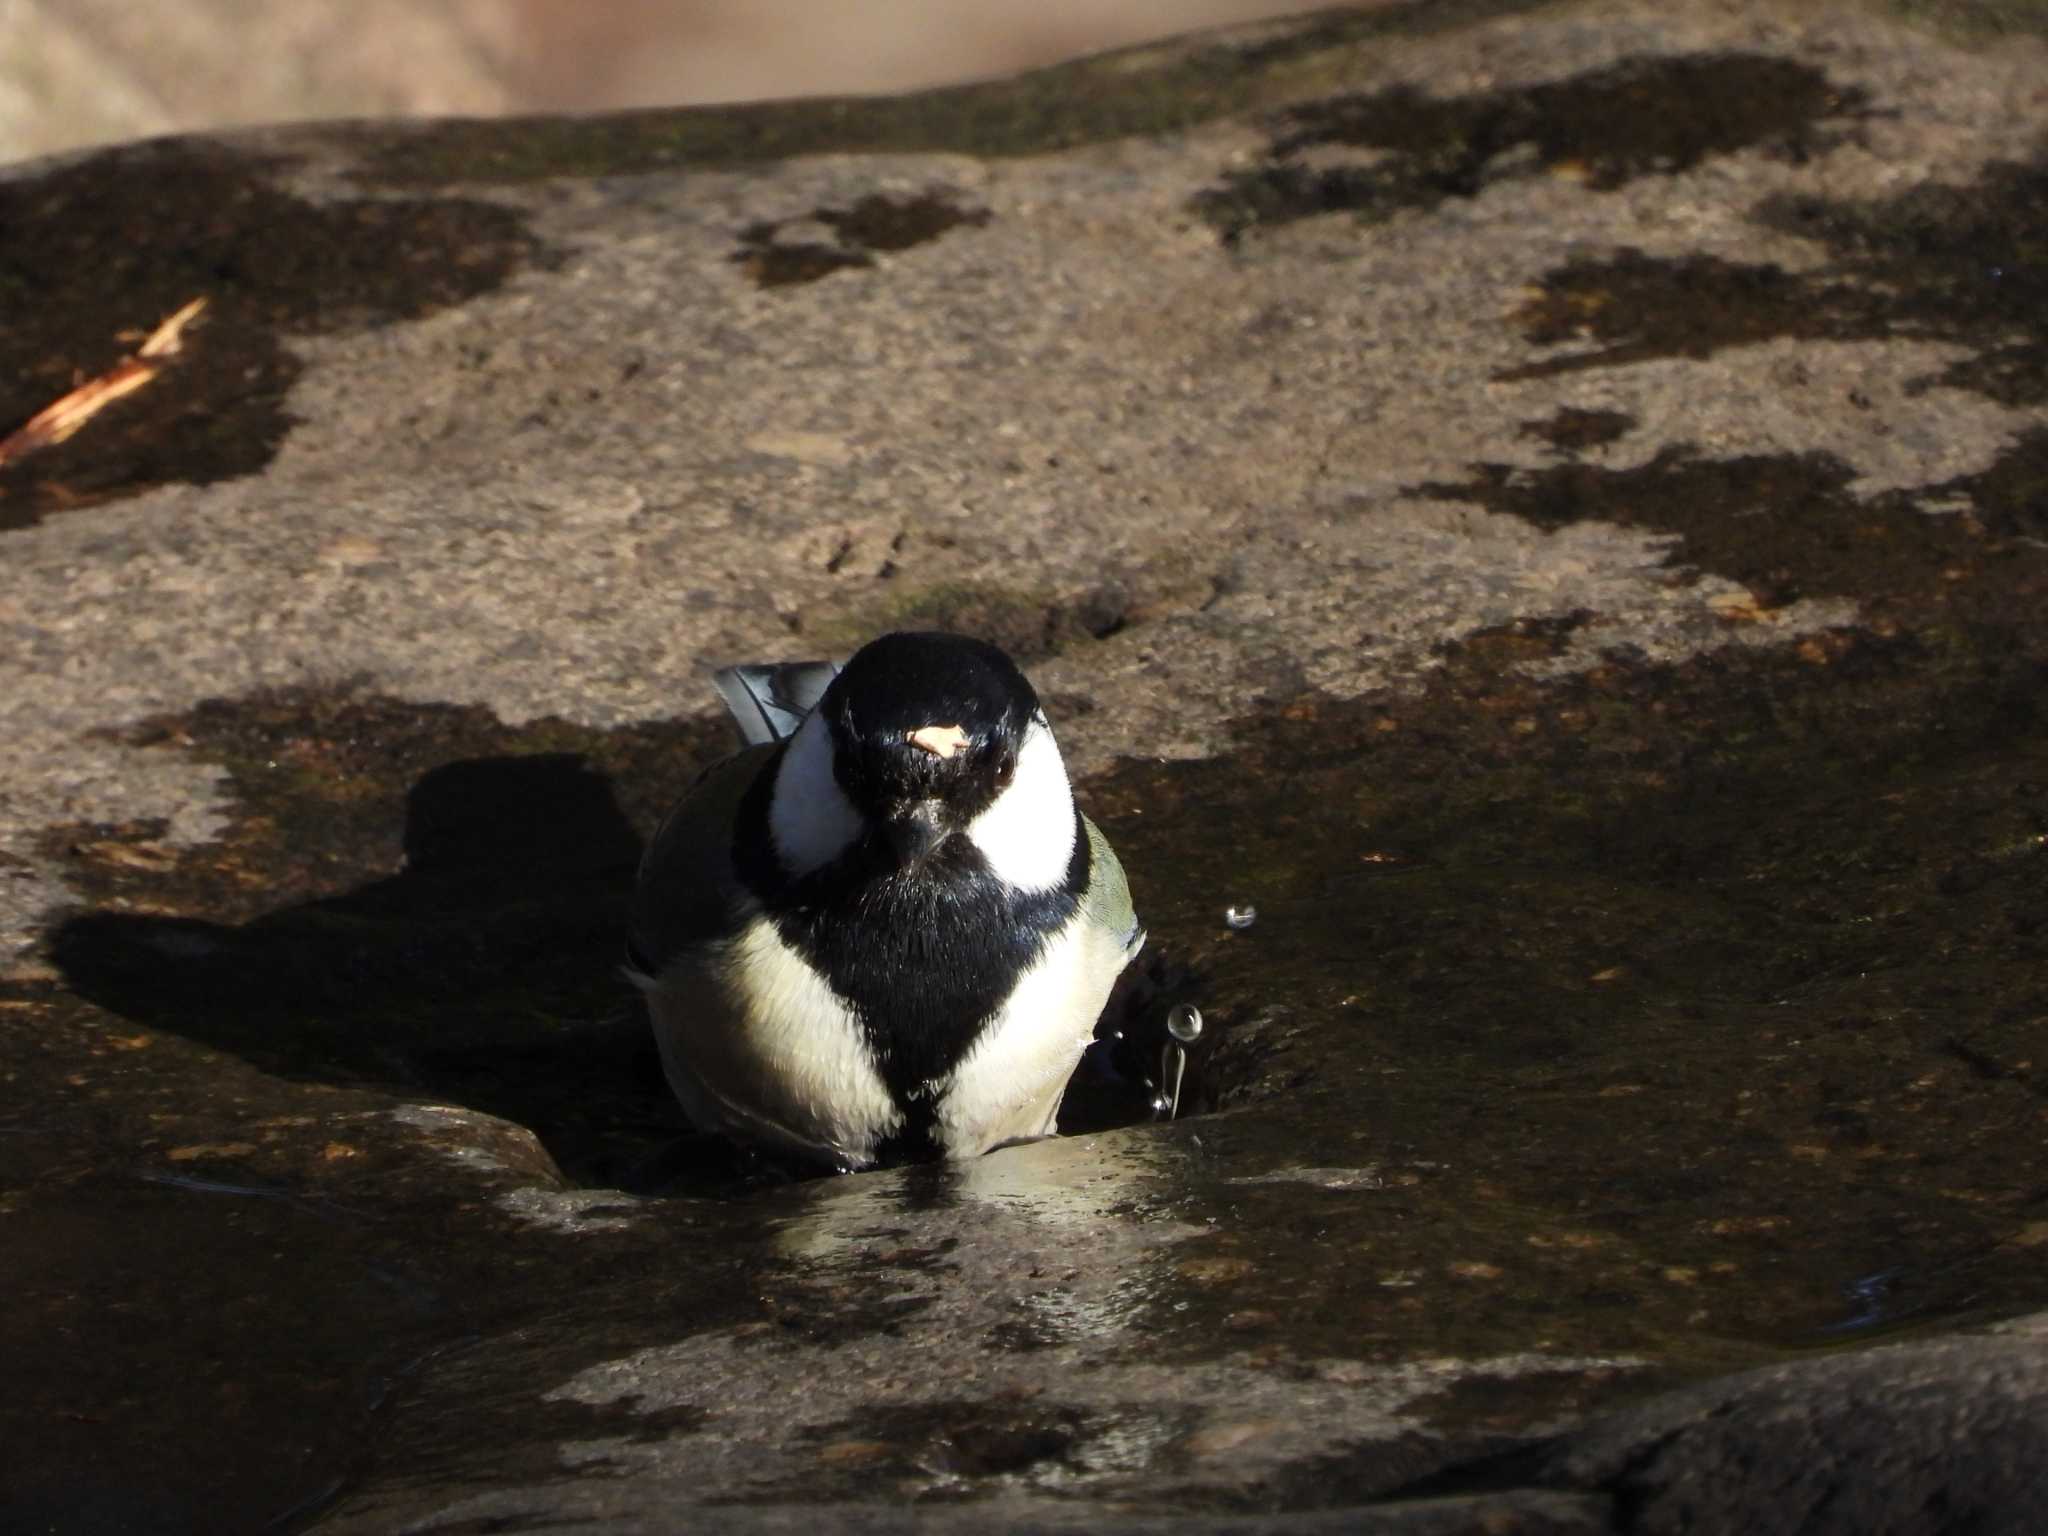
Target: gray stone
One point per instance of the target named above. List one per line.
(1948, 1435)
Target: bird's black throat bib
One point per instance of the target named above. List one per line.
(925, 956)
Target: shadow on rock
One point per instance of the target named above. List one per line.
(485, 973)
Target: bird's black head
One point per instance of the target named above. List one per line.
(926, 730)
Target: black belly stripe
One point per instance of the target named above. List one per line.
(926, 961)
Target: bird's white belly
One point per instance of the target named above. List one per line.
(1009, 1085)
(755, 1044)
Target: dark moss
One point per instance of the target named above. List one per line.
(1638, 117)
(1522, 640)
(1951, 262)
(2009, 497)
(774, 264)
(1570, 430)
(877, 222)
(1641, 307)
(882, 223)
(95, 254)
(1787, 525)
(1937, 261)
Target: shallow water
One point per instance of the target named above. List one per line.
(1683, 1016)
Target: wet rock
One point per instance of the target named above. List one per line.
(1931, 1437)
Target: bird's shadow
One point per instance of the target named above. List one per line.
(485, 973)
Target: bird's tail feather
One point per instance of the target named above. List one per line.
(769, 700)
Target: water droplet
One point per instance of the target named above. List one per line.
(1173, 1065)
(1162, 1107)
(1184, 1023)
(1240, 917)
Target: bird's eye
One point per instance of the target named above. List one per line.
(1006, 770)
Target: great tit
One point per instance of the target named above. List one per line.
(883, 930)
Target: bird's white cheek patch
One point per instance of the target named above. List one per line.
(810, 820)
(1010, 1085)
(1027, 835)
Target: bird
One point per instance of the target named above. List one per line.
(883, 931)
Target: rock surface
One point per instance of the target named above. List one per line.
(1544, 503)
(1947, 1436)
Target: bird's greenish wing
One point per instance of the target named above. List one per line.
(689, 892)
(1108, 901)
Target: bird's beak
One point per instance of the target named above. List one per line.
(915, 831)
